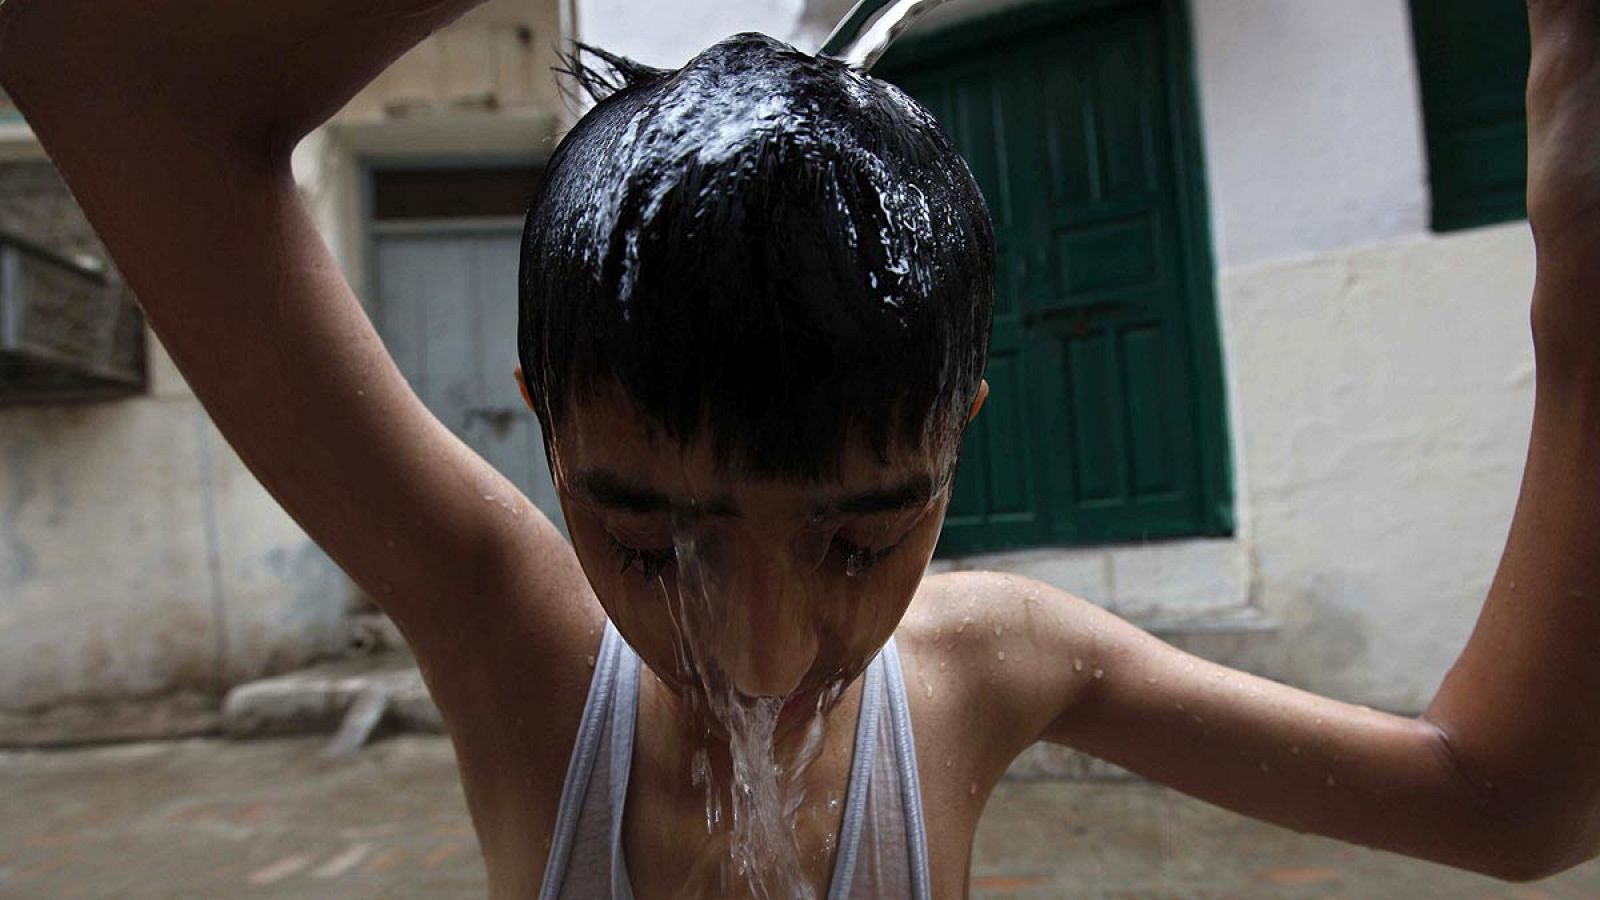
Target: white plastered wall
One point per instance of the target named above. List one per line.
(138, 556)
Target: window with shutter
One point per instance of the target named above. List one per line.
(1472, 60)
(1106, 419)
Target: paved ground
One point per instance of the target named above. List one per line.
(213, 819)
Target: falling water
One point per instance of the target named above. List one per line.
(758, 819)
(870, 42)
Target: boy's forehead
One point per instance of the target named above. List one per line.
(609, 453)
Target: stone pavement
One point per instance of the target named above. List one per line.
(274, 818)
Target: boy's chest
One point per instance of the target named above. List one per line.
(671, 852)
(674, 837)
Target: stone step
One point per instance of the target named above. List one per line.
(316, 700)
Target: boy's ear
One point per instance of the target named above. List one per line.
(977, 402)
(523, 385)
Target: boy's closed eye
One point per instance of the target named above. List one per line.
(651, 561)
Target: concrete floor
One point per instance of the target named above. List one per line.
(208, 819)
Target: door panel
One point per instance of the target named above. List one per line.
(999, 495)
(1091, 432)
(446, 306)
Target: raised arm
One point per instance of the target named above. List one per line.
(172, 121)
(1501, 774)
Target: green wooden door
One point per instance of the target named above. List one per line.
(1105, 422)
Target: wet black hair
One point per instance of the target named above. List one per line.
(763, 247)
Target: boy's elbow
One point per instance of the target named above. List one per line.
(1538, 865)
(1556, 836)
(1532, 814)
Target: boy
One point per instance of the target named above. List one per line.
(758, 533)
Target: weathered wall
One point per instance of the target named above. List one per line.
(138, 557)
(1384, 395)
(1313, 127)
(1380, 378)
(496, 58)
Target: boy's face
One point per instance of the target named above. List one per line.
(773, 588)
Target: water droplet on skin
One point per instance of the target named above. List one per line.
(360, 392)
(999, 630)
(1179, 706)
(949, 763)
(1001, 656)
(1265, 767)
(1331, 782)
(1099, 673)
(590, 661)
(928, 689)
(973, 791)
(1198, 720)
(1152, 680)
(943, 664)
(1295, 750)
(1077, 665)
(965, 621)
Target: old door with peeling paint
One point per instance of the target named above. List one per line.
(445, 302)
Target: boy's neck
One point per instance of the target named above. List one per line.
(689, 728)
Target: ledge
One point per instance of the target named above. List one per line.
(1171, 581)
(524, 135)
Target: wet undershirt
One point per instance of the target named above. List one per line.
(882, 847)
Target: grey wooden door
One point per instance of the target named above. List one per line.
(446, 306)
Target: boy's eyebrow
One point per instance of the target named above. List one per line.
(610, 489)
(914, 491)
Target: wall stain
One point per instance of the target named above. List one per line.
(19, 456)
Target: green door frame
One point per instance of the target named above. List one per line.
(1200, 314)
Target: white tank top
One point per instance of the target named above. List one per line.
(882, 848)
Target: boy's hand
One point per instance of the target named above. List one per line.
(1564, 182)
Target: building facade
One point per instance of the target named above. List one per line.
(1262, 370)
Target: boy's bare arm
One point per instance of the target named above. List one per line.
(172, 122)
(1501, 774)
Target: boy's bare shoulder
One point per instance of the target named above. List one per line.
(998, 655)
(961, 609)
(1003, 648)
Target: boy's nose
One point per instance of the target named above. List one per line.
(769, 642)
